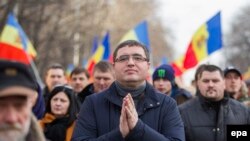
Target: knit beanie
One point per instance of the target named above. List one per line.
(164, 72)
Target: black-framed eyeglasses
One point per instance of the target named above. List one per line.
(135, 57)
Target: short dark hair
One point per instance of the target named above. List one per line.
(104, 66)
(131, 43)
(73, 106)
(54, 66)
(207, 67)
(79, 70)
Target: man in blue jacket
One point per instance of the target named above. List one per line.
(130, 109)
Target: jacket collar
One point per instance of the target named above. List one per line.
(151, 97)
(208, 104)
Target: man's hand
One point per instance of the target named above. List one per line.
(132, 116)
(124, 129)
(129, 116)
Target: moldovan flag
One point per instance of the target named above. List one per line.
(139, 33)
(178, 66)
(205, 41)
(102, 52)
(14, 44)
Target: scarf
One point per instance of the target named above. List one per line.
(135, 93)
(55, 128)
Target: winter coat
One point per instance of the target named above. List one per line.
(88, 90)
(180, 95)
(203, 123)
(39, 108)
(159, 118)
(35, 132)
(55, 127)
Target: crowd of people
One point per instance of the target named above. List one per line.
(117, 102)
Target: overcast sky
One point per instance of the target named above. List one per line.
(184, 17)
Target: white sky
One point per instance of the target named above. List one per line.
(184, 17)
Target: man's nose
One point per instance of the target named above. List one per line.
(211, 84)
(102, 81)
(11, 115)
(131, 61)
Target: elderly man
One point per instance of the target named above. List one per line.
(17, 96)
(130, 109)
(206, 117)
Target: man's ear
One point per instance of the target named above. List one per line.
(33, 98)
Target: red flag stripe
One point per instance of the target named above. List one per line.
(10, 52)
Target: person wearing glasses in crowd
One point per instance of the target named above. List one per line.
(61, 111)
(103, 77)
(18, 91)
(55, 75)
(130, 109)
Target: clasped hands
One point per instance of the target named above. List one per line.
(129, 116)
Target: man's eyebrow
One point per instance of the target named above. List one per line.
(136, 54)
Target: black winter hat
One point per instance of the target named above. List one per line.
(16, 74)
(232, 69)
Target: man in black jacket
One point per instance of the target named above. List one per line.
(206, 117)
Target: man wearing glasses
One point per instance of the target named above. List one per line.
(130, 109)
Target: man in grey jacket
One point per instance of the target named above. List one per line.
(206, 117)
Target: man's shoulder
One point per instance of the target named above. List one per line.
(190, 104)
(98, 96)
(236, 104)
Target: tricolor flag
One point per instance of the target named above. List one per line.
(206, 40)
(14, 44)
(69, 69)
(178, 66)
(139, 33)
(102, 52)
(94, 44)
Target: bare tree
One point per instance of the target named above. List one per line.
(238, 41)
(52, 26)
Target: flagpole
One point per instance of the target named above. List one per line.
(35, 71)
(32, 64)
